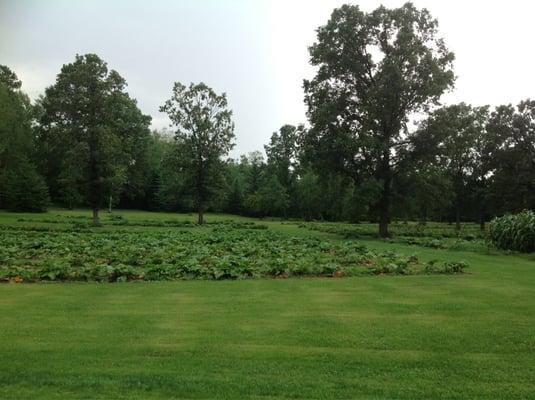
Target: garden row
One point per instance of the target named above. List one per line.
(81, 222)
(219, 252)
(431, 230)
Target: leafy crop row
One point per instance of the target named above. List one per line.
(433, 231)
(116, 220)
(218, 252)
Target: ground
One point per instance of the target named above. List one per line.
(469, 336)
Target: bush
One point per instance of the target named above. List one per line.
(514, 232)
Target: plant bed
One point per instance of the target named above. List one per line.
(221, 251)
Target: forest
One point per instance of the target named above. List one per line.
(378, 146)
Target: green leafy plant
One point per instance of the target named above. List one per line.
(221, 251)
(514, 232)
(448, 267)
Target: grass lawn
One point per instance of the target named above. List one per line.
(383, 337)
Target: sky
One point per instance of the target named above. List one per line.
(256, 51)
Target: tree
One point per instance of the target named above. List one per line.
(9, 79)
(424, 190)
(252, 168)
(132, 126)
(15, 120)
(21, 186)
(85, 127)
(253, 165)
(374, 70)
(309, 195)
(204, 134)
(272, 199)
(511, 163)
(23, 189)
(454, 139)
(281, 154)
(172, 192)
(231, 198)
(160, 145)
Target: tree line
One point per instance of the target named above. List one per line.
(378, 145)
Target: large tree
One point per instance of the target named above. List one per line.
(374, 70)
(86, 124)
(204, 134)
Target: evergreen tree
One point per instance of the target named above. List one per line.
(21, 186)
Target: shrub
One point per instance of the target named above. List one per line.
(514, 232)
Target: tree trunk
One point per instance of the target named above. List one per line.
(423, 216)
(482, 213)
(383, 221)
(95, 216)
(200, 220)
(200, 189)
(384, 202)
(109, 205)
(457, 217)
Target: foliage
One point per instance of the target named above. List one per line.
(449, 267)
(90, 132)
(463, 163)
(309, 196)
(413, 231)
(221, 250)
(374, 69)
(512, 183)
(23, 189)
(9, 79)
(454, 142)
(204, 134)
(272, 199)
(282, 162)
(21, 186)
(514, 232)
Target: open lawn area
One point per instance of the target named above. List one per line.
(423, 336)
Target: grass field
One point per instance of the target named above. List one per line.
(469, 336)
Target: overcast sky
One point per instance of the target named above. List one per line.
(255, 51)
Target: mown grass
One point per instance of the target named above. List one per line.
(389, 337)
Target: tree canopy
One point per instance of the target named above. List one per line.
(88, 126)
(374, 70)
(377, 146)
(204, 133)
